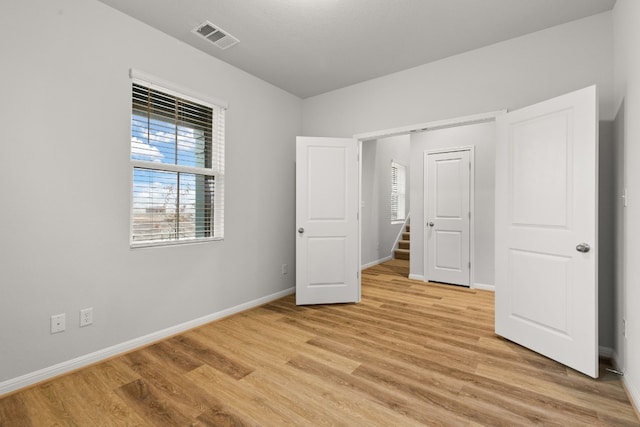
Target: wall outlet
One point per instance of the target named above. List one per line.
(285, 269)
(86, 317)
(58, 323)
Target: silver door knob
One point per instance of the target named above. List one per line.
(583, 247)
(300, 230)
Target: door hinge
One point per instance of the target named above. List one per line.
(469, 264)
(469, 215)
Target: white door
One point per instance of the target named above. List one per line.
(546, 228)
(447, 215)
(327, 252)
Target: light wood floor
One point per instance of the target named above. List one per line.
(410, 354)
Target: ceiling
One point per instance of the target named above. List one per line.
(308, 47)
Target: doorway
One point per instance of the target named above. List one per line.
(384, 197)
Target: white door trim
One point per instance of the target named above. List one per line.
(433, 125)
(471, 150)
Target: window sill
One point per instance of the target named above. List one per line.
(164, 243)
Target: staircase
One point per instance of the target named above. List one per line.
(402, 251)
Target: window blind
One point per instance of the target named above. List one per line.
(398, 190)
(177, 154)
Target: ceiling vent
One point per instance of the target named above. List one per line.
(215, 35)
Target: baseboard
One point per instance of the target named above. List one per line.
(633, 393)
(380, 261)
(416, 277)
(629, 388)
(606, 352)
(91, 358)
(484, 287)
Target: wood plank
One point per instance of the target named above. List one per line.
(14, 408)
(257, 407)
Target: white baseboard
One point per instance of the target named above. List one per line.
(484, 287)
(380, 261)
(633, 393)
(606, 352)
(416, 277)
(97, 356)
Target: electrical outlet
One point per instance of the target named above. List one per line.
(86, 317)
(285, 269)
(58, 323)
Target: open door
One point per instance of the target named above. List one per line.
(546, 229)
(327, 251)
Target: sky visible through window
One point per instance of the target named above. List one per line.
(167, 204)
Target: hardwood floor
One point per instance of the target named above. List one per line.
(410, 354)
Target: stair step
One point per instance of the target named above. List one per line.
(408, 228)
(401, 254)
(406, 235)
(403, 244)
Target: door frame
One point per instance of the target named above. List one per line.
(406, 130)
(472, 190)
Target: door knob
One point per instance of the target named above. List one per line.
(300, 230)
(430, 224)
(583, 247)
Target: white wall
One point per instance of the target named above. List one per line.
(626, 15)
(606, 235)
(619, 238)
(482, 137)
(66, 179)
(369, 199)
(510, 74)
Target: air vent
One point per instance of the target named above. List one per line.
(215, 35)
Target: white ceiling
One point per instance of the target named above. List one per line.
(308, 47)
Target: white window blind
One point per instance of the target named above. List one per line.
(177, 157)
(398, 192)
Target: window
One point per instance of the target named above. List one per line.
(177, 158)
(398, 192)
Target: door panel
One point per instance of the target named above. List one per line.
(326, 191)
(328, 255)
(447, 195)
(546, 204)
(449, 248)
(327, 252)
(539, 170)
(535, 278)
